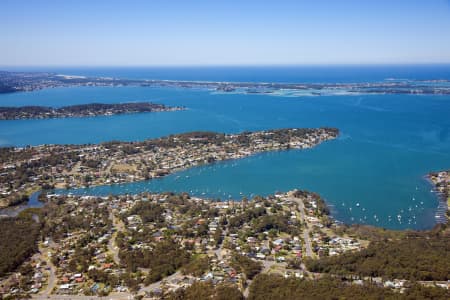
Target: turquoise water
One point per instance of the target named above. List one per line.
(387, 144)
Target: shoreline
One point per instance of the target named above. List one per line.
(13, 211)
(26, 204)
(440, 186)
(305, 234)
(121, 162)
(10, 113)
(67, 193)
(75, 191)
(14, 82)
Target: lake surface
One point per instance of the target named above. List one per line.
(373, 173)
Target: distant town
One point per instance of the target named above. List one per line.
(11, 82)
(82, 110)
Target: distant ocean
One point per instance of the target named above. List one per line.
(372, 174)
(285, 74)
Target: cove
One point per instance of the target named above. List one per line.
(324, 168)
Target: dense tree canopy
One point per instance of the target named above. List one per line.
(274, 287)
(149, 212)
(246, 265)
(205, 290)
(417, 258)
(163, 260)
(18, 241)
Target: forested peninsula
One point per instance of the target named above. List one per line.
(82, 110)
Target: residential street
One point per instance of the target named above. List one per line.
(112, 247)
(51, 283)
(306, 238)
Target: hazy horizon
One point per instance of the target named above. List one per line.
(287, 65)
(204, 33)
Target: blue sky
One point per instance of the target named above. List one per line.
(245, 32)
